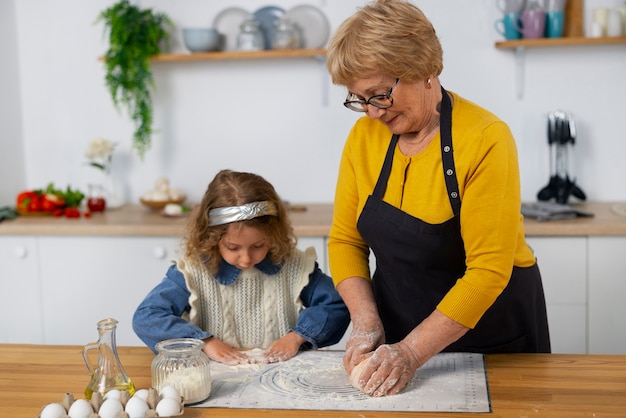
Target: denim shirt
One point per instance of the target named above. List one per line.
(159, 316)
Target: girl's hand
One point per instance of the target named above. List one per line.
(218, 350)
(284, 348)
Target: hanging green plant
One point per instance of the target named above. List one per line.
(135, 36)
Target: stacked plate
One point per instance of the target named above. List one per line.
(310, 20)
(227, 22)
(312, 23)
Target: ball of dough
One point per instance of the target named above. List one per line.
(356, 373)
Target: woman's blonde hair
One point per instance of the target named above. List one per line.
(231, 188)
(389, 37)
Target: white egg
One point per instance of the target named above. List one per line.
(113, 393)
(167, 407)
(81, 408)
(136, 407)
(156, 195)
(162, 184)
(109, 408)
(142, 393)
(52, 410)
(169, 391)
(176, 194)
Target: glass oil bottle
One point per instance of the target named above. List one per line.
(108, 373)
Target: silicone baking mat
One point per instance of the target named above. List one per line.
(316, 380)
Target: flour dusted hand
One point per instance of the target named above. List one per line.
(365, 337)
(387, 371)
(284, 348)
(218, 350)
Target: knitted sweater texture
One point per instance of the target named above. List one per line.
(255, 310)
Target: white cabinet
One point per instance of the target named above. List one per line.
(86, 279)
(607, 295)
(20, 298)
(563, 265)
(54, 289)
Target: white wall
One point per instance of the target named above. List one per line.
(268, 116)
(12, 173)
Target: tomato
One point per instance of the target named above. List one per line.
(58, 212)
(72, 213)
(47, 205)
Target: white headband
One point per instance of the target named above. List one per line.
(220, 216)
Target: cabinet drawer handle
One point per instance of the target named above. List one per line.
(159, 252)
(20, 252)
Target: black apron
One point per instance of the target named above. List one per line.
(417, 263)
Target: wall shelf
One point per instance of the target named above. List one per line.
(242, 55)
(520, 45)
(319, 54)
(551, 42)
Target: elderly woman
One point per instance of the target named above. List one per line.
(429, 181)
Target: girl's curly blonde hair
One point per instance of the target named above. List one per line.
(232, 188)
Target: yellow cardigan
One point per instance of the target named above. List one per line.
(492, 226)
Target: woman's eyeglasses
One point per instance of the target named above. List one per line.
(381, 101)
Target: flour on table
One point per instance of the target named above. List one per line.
(256, 354)
(316, 379)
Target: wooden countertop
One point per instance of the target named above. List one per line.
(521, 385)
(137, 220)
(609, 219)
(315, 220)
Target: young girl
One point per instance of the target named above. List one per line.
(242, 283)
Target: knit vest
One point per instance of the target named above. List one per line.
(255, 310)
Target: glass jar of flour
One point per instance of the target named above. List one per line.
(181, 363)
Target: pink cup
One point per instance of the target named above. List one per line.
(533, 23)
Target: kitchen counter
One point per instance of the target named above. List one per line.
(137, 220)
(521, 385)
(315, 220)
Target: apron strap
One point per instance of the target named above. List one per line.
(447, 153)
(381, 183)
(447, 157)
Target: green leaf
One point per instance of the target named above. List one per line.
(134, 37)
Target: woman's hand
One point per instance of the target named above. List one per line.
(218, 350)
(392, 366)
(388, 370)
(364, 339)
(284, 348)
(367, 328)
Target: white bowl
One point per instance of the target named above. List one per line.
(202, 39)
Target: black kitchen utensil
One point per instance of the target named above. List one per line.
(561, 139)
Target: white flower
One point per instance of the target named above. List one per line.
(100, 148)
(100, 153)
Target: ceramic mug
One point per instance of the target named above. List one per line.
(555, 22)
(599, 22)
(510, 6)
(614, 23)
(533, 24)
(552, 5)
(507, 26)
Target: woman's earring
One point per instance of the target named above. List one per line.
(428, 85)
